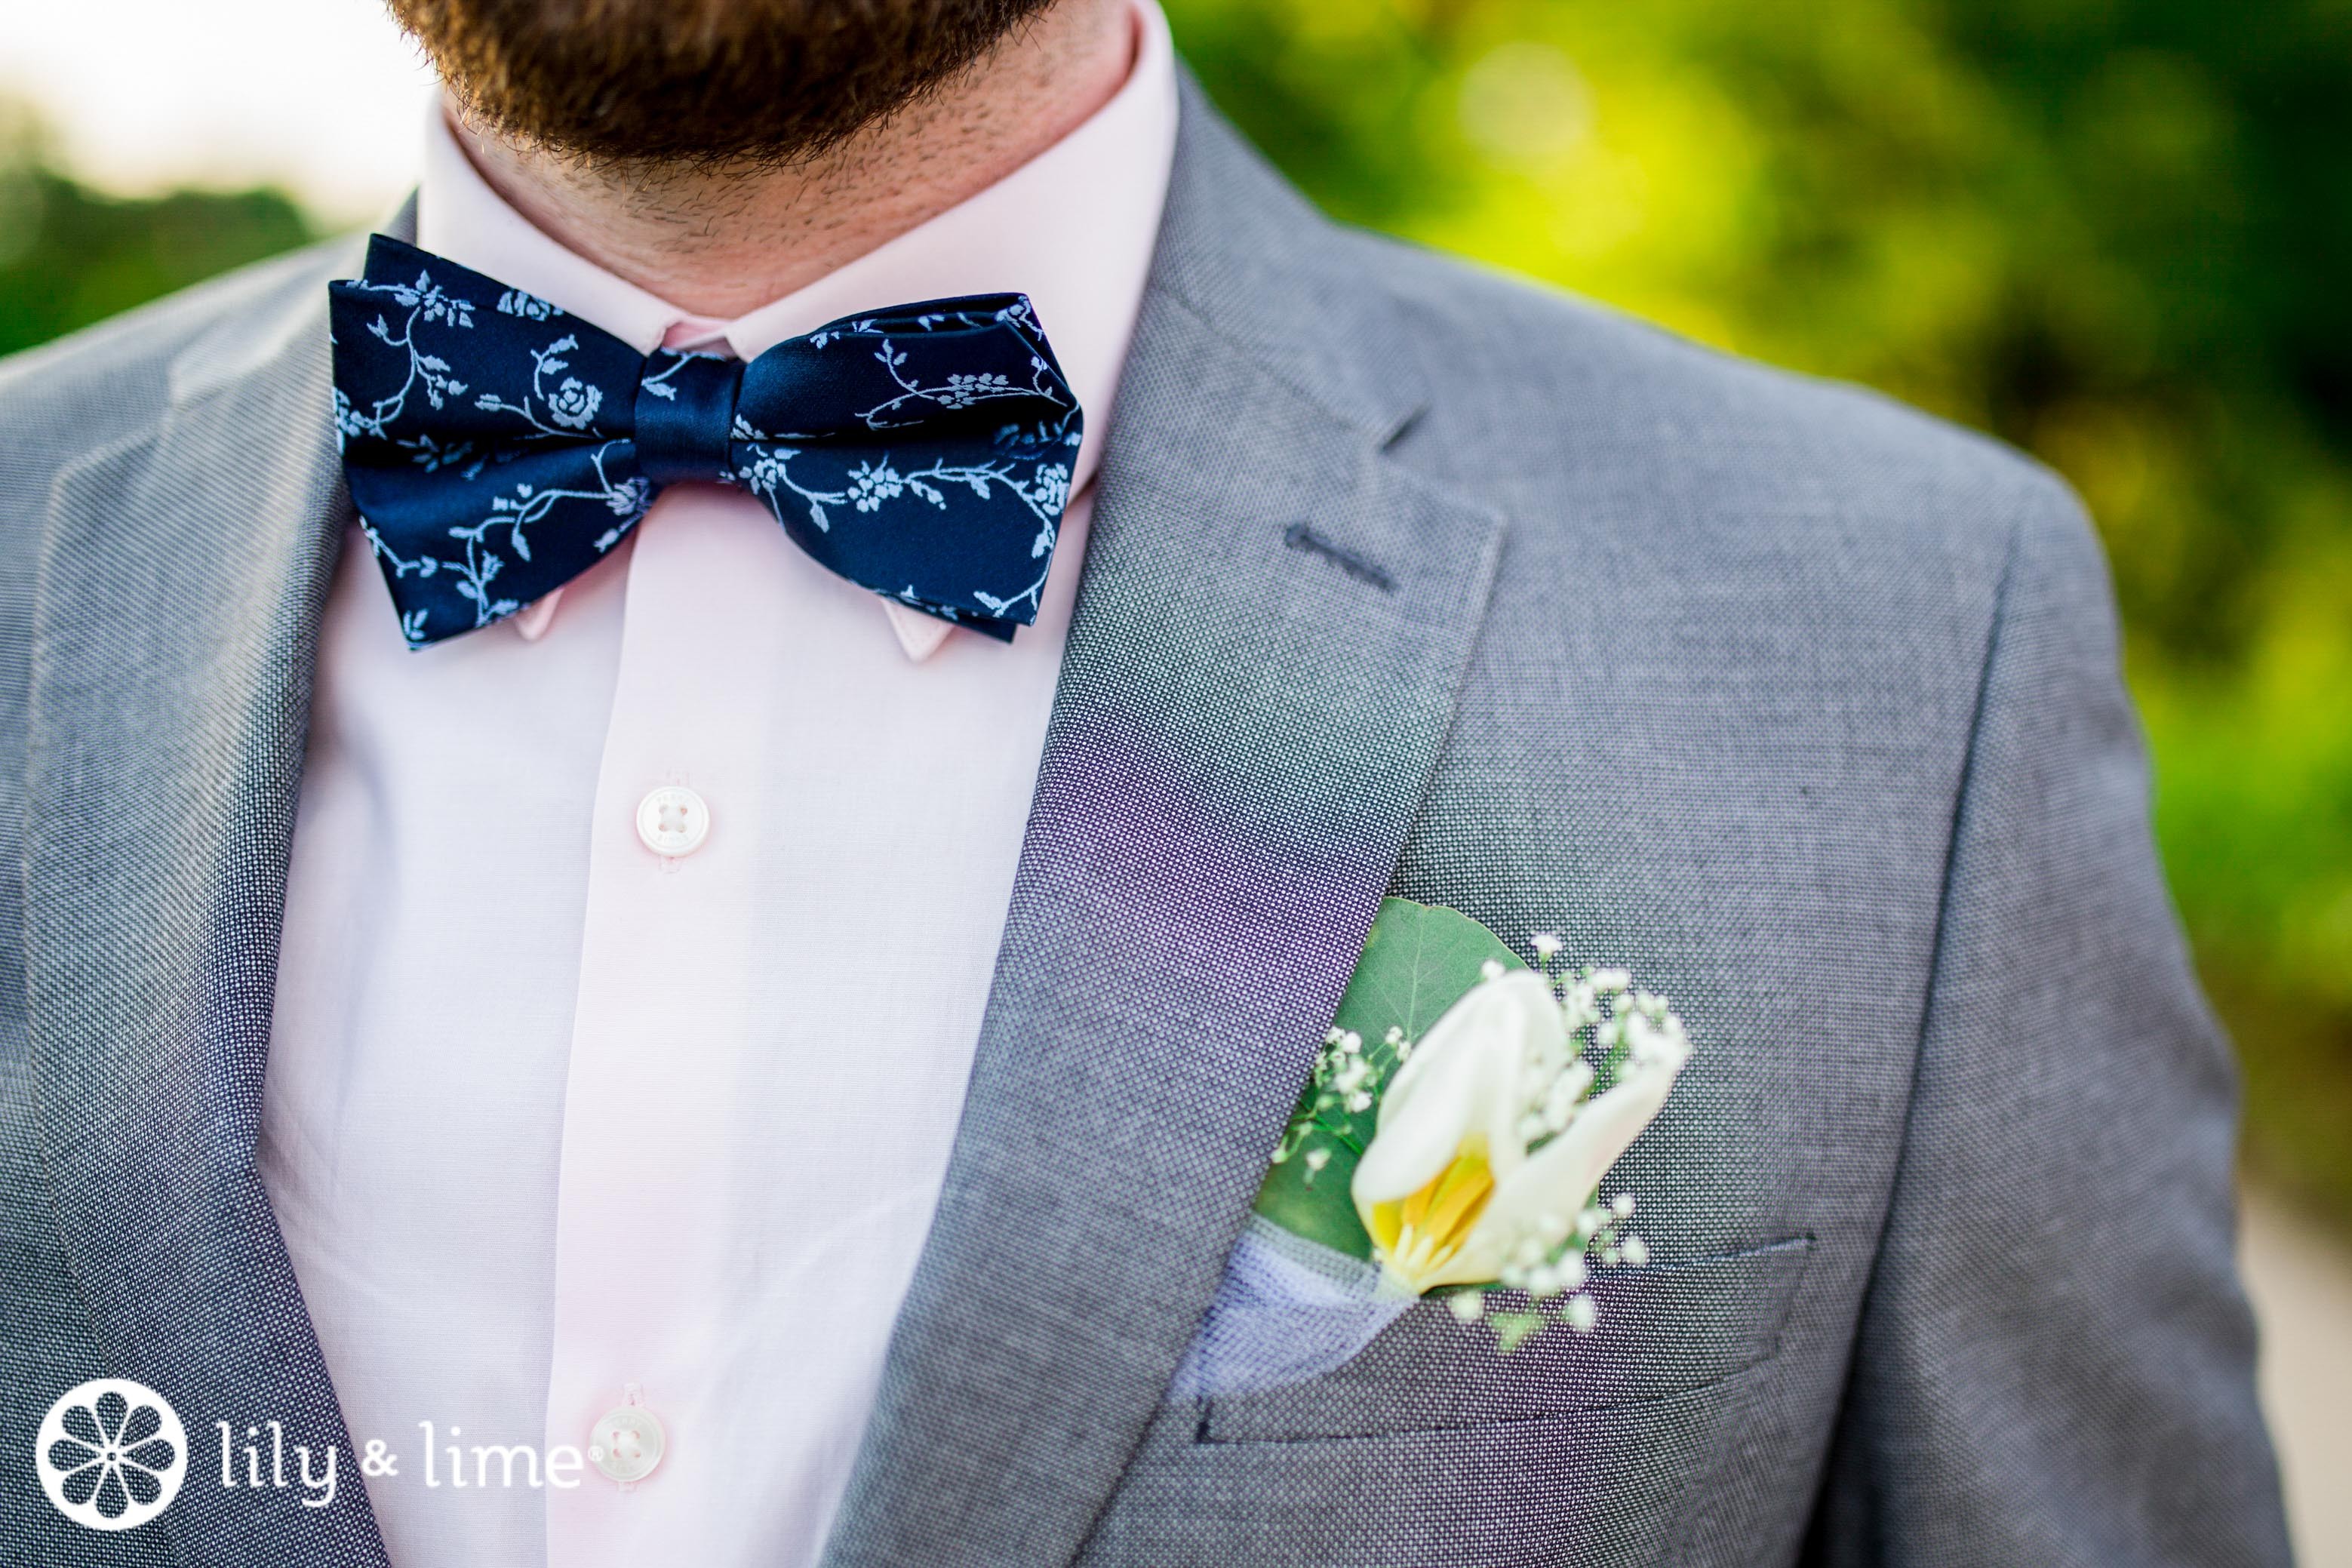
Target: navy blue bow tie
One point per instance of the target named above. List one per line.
(497, 447)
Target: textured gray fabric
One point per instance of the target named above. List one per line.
(1401, 577)
(178, 573)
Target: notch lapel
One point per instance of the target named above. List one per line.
(175, 626)
(1271, 625)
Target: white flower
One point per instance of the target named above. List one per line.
(871, 484)
(1469, 1305)
(629, 497)
(963, 391)
(1449, 1188)
(574, 404)
(1582, 1313)
(1547, 944)
(1053, 488)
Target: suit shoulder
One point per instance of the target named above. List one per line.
(113, 382)
(1541, 386)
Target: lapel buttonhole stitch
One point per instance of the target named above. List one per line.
(1299, 536)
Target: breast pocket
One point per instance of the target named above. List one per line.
(1663, 1330)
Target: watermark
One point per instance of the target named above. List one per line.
(317, 1492)
(518, 1463)
(112, 1454)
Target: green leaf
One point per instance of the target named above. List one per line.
(1418, 961)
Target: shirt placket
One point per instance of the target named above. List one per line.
(657, 1034)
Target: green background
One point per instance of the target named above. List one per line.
(2118, 232)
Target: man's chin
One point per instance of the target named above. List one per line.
(712, 82)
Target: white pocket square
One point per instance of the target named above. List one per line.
(1286, 1311)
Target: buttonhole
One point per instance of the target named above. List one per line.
(1299, 536)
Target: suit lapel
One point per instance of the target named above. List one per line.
(176, 620)
(1270, 630)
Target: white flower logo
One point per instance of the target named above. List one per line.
(111, 1453)
(574, 404)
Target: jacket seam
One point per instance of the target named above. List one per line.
(1938, 944)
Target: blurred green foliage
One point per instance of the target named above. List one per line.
(2118, 232)
(69, 255)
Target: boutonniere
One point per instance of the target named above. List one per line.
(1463, 1115)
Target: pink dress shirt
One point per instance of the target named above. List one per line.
(554, 1123)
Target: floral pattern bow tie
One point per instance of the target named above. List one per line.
(497, 449)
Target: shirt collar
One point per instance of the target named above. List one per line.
(1073, 229)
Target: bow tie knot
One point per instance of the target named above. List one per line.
(686, 417)
(497, 449)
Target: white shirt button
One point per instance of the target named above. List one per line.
(626, 1443)
(673, 821)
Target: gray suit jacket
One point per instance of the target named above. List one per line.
(1402, 577)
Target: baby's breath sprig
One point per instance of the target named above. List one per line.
(1608, 1023)
(1346, 1081)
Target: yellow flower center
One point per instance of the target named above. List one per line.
(1421, 1231)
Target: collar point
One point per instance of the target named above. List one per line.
(919, 635)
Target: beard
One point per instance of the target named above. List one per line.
(717, 83)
